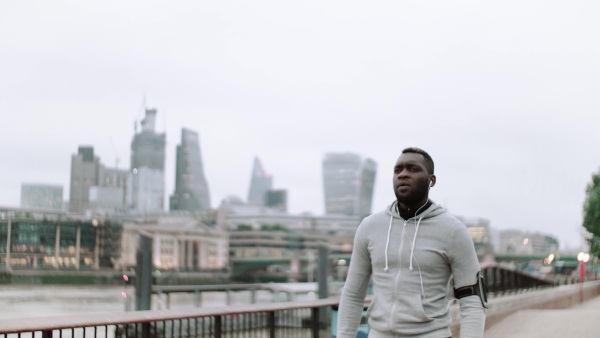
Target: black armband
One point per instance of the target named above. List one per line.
(479, 289)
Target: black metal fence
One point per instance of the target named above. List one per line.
(292, 319)
(298, 319)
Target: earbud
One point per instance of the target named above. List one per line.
(430, 183)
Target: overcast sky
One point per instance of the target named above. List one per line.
(503, 95)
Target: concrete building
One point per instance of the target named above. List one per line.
(85, 173)
(348, 182)
(179, 243)
(41, 196)
(191, 188)
(260, 182)
(147, 187)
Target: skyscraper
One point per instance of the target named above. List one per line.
(191, 189)
(260, 183)
(348, 181)
(85, 171)
(147, 186)
(95, 187)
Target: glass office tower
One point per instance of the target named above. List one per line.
(348, 182)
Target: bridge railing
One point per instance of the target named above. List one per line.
(501, 279)
(293, 319)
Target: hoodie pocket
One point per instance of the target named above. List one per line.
(401, 313)
(409, 309)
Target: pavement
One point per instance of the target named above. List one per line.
(580, 321)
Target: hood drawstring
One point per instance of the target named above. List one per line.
(412, 244)
(387, 244)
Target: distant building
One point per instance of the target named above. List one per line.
(147, 186)
(348, 181)
(191, 189)
(106, 199)
(277, 199)
(41, 196)
(179, 243)
(260, 182)
(480, 232)
(47, 241)
(85, 173)
(110, 195)
(147, 190)
(235, 215)
(518, 242)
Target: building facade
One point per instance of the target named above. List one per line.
(41, 196)
(110, 195)
(191, 188)
(147, 186)
(179, 244)
(85, 173)
(348, 182)
(30, 240)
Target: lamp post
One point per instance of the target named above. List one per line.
(582, 258)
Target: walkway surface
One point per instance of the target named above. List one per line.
(580, 321)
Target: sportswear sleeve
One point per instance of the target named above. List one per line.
(355, 288)
(465, 265)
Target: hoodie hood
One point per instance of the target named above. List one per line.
(433, 210)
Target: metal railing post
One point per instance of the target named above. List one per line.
(146, 329)
(218, 326)
(314, 323)
(272, 324)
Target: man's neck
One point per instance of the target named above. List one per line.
(410, 211)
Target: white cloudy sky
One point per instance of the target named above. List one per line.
(503, 95)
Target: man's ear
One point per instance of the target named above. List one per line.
(432, 180)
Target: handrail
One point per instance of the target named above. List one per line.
(100, 319)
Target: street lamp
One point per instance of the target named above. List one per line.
(583, 258)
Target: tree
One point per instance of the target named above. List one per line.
(591, 214)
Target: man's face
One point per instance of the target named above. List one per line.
(411, 178)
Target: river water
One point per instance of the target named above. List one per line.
(32, 301)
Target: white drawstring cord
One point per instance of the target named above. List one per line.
(387, 243)
(412, 244)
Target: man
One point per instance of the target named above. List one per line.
(410, 250)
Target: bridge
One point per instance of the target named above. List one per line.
(510, 291)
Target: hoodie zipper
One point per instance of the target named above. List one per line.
(397, 278)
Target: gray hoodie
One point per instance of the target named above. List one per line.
(410, 263)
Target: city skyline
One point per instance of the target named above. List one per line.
(503, 96)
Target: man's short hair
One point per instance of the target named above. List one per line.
(428, 159)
